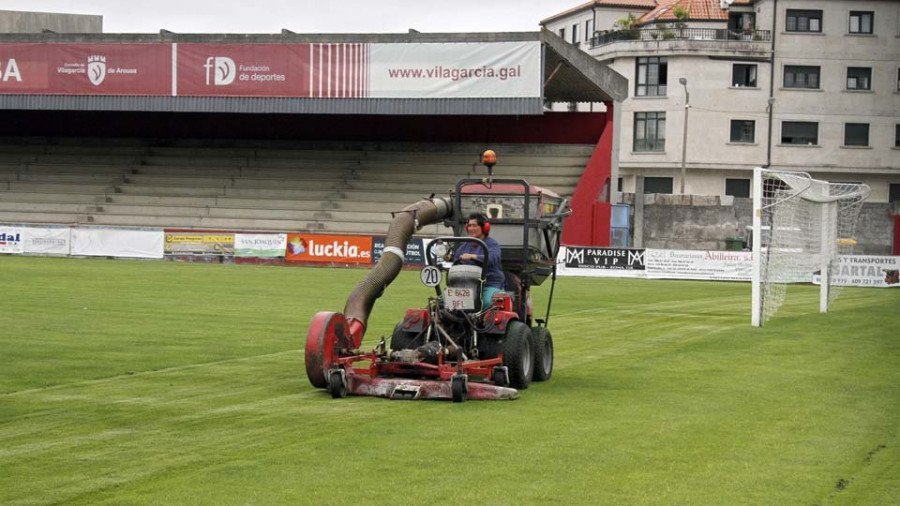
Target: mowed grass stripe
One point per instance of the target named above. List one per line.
(662, 393)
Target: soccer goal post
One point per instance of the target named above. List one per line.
(800, 227)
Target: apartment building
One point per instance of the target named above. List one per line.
(718, 88)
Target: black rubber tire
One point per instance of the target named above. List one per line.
(403, 340)
(542, 343)
(500, 377)
(459, 390)
(336, 386)
(518, 356)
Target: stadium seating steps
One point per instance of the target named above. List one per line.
(261, 186)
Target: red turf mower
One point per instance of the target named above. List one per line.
(453, 348)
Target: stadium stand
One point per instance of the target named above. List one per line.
(251, 185)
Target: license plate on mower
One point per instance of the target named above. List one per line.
(459, 298)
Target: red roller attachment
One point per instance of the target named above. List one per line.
(327, 335)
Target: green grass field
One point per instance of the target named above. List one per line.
(128, 382)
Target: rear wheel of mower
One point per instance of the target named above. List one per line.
(518, 356)
(542, 342)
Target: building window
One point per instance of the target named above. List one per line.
(575, 34)
(856, 134)
(588, 29)
(861, 21)
(562, 33)
(893, 192)
(898, 79)
(649, 131)
(743, 130)
(741, 21)
(801, 76)
(897, 136)
(737, 187)
(800, 132)
(743, 75)
(803, 21)
(658, 184)
(652, 75)
(859, 78)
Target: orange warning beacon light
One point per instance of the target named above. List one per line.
(489, 158)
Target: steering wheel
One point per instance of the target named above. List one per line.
(476, 262)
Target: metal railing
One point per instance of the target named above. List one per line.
(673, 33)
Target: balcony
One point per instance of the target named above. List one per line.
(667, 34)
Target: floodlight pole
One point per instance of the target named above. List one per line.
(687, 108)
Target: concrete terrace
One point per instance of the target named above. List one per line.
(252, 185)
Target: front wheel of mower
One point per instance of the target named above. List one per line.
(337, 384)
(500, 376)
(459, 387)
(518, 355)
(543, 353)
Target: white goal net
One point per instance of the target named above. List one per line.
(800, 227)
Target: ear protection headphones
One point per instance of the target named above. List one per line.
(482, 222)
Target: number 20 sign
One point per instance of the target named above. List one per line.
(430, 276)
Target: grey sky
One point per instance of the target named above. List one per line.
(306, 16)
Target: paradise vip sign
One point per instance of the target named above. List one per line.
(304, 70)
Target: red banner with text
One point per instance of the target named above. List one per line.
(341, 249)
(86, 69)
(272, 70)
(301, 70)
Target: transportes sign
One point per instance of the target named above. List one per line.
(866, 270)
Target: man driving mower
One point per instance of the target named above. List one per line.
(478, 227)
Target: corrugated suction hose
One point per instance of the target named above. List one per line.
(411, 218)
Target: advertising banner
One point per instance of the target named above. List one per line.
(199, 243)
(266, 70)
(260, 245)
(341, 249)
(117, 242)
(47, 240)
(415, 250)
(865, 270)
(456, 70)
(11, 239)
(86, 69)
(601, 262)
(691, 264)
(302, 70)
